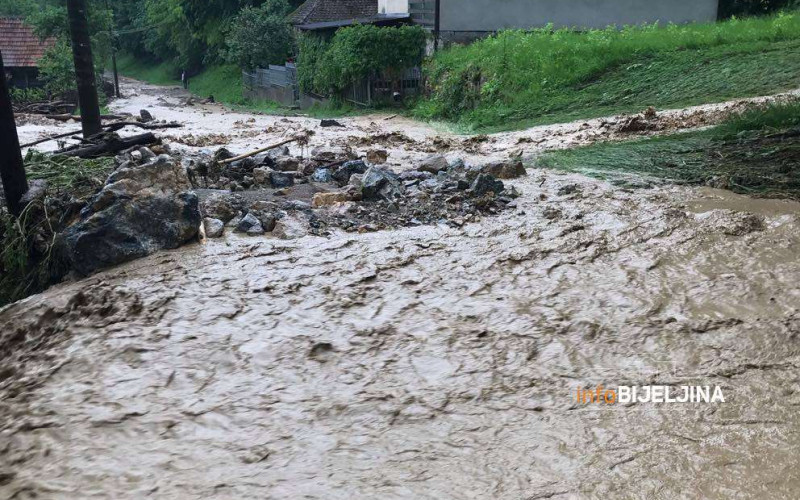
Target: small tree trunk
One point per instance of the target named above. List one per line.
(84, 67)
(12, 171)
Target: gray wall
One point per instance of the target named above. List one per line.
(477, 16)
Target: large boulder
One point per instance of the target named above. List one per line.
(381, 184)
(342, 174)
(140, 210)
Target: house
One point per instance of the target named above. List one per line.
(326, 16)
(466, 20)
(21, 50)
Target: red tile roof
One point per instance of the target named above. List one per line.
(19, 44)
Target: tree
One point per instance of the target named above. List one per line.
(12, 171)
(260, 36)
(84, 67)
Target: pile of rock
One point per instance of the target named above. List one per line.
(356, 195)
(146, 204)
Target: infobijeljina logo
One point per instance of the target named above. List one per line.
(651, 394)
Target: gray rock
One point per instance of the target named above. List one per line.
(261, 175)
(281, 179)
(342, 174)
(146, 153)
(485, 184)
(322, 175)
(287, 164)
(434, 164)
(223, 207)
(381, 184)
(128, 229)
(145, 116)
(250, 225)
(215, 228)
(266, 219)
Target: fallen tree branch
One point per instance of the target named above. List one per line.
(110, 145)
(302, 138)
(112, 127)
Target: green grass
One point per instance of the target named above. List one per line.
(157, 73)
(757, 153)
(519, 78)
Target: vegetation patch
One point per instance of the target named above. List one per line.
(756, 153)
(522, 78)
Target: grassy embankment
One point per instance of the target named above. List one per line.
(518, 79)
(756, 153)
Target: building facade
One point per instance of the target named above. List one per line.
(465, 20)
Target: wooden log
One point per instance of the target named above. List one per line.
(299, 137)
(110, 145)
(111, 127)
(12, 170)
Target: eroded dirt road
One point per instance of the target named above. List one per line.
(429, 362)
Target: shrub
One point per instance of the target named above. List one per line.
(359, 51)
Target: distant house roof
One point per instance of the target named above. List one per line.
(377, 19)
(323, 11)
(20, 46)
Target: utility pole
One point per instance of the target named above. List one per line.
(12, 170)
(436, 25)
(114, 55)
(84, 67)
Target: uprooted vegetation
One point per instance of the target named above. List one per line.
(520, 78)
(755, 152)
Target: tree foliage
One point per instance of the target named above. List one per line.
(740, 8)
(259, 36)
(356, 52)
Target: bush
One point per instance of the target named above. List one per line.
(57, 69)
(356, 52)
(740, 8)
(260, 36)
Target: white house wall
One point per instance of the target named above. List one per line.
(392, 6)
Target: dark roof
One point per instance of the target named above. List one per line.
(321, 11)
(19, 45)
(378, 19)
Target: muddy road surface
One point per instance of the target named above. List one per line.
(429, 362)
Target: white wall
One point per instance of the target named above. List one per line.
(492, 15)
(392, 6)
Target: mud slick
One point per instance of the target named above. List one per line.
(429, 362)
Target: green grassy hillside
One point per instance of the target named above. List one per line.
(519, 78)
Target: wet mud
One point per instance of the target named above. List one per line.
(427, 362)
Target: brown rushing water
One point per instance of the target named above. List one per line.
(425, 363)
(420, 363)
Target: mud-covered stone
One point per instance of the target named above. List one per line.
(381, 184)
(342, 174)
(214, 228)
(434, 164)
(485, 184)
(505, 169)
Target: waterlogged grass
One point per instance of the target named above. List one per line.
(757, 153)
(521, 78)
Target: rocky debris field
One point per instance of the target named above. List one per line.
(334, 189)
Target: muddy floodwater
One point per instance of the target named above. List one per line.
(429, 362)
